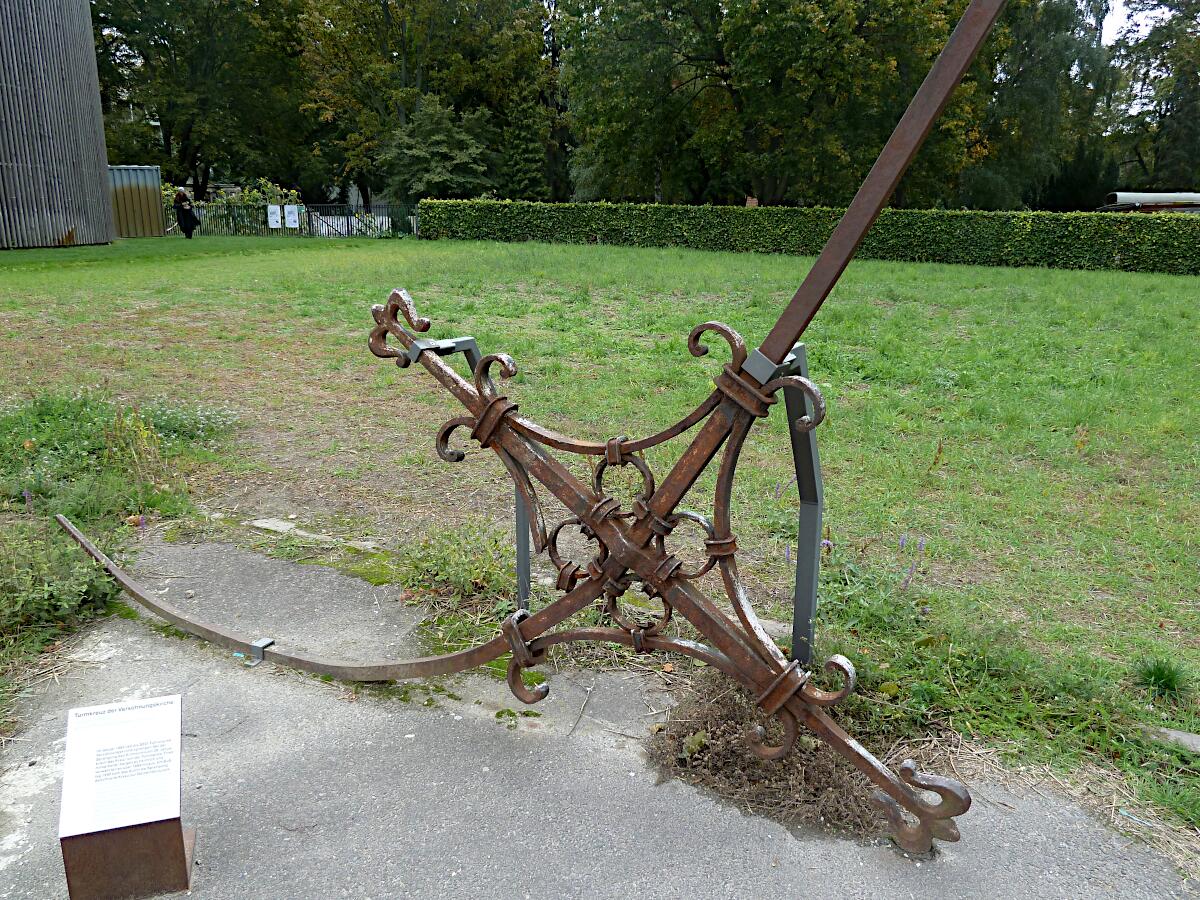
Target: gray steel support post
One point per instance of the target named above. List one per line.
(812, 502)
(522, 551)
(468, 347)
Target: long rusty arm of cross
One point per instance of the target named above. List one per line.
(875, 191)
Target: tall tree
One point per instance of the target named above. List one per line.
(717, 100)
(437, 154)
(372, 64)
(202, 87)
(1048, 73)
(1159, 138)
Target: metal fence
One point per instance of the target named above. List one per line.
(329, 220)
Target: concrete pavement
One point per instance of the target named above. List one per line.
(300, 789)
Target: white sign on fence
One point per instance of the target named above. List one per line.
(291, 216)
(122, 765)
(273, 217)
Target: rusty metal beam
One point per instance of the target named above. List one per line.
(970, 33)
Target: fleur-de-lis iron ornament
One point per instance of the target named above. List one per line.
(632, 545)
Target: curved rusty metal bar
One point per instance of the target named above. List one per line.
(483, 381)
(442, 443)
(560, 441)
(938, 818)
(756, 737)
(400, 301)
(537, 523)
(762, 641)
(818, 697)
(737, 345)
(386, 670)
(810, 390)
(702, 652)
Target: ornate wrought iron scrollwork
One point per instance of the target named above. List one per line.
(933, 820)
(631, 548)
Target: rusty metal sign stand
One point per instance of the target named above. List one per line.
(632, 546)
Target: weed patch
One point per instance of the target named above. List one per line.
(464, 578)
(102, 464)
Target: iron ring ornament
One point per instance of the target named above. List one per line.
(631, 544)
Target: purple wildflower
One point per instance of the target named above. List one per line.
(28, 499)
(903, 540)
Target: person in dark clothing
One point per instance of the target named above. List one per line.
(184, 214)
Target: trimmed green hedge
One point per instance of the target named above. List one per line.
(1129, 241)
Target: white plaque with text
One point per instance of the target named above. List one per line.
(291, 216)
(122, 765)
(274, 218)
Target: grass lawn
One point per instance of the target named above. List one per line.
(1011, 457)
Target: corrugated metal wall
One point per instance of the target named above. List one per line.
(137, 200)
(53, 164)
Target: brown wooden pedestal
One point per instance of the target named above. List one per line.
(137, 861)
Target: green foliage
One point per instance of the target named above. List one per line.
(472, 563)
(216, 79)
(371, 66)
(464, 577)
(436, 154)
(523, 155)
(699, 102)
(45, 582)
(256, 194)
(1162, 676)
(95, 461)
(1158, 138)
(1049, 73)
(1134, 243)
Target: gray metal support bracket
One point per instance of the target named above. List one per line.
(256, 651)
(447, 347)
(807, 463)
(470, 349)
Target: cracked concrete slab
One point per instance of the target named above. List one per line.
(300, 788)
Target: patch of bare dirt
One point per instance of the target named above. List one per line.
(704, 743)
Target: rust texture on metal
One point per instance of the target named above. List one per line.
(631, 546)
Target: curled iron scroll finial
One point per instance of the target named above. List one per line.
(818, 697)
(402, 302)
(483, 382)
(756, 737)
(379, 335)
(736, 344)
(638, 463)
(933, 820)
(444, 450)
(810, 390)
(523, 657)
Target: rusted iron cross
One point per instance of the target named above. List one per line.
(632, 545)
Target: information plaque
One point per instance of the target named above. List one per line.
(119, 826)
